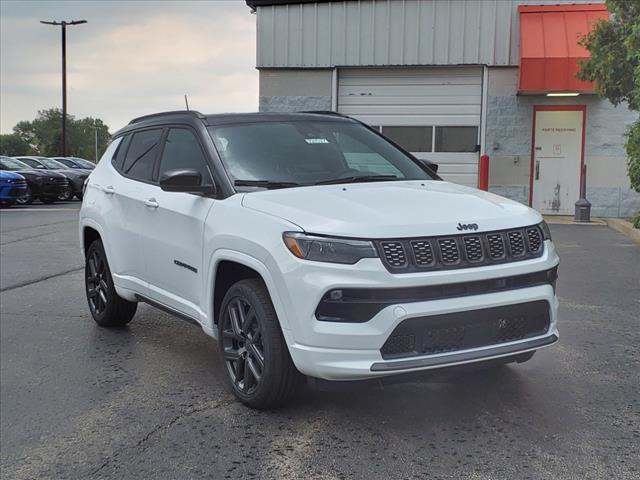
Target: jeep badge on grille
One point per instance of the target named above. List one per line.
(467, 226)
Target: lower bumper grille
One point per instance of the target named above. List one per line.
(464, 330)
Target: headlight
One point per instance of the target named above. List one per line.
(546, 233)
(327, 249)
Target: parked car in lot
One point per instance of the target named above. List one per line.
(12, 187)
(76, 177)
(309, 244)
(45, 185)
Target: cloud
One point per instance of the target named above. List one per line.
(119, 70)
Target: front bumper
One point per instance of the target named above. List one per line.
(352, 351)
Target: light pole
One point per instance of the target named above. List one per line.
(64, 24)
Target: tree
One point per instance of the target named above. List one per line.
(44, 133)
(614, 65)
(12, 145)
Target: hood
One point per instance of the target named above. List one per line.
(39, 173)
(73, 174)
(5, 174)
(391, 209)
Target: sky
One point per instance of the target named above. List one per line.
(131, 58)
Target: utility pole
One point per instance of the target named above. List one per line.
(64, 24)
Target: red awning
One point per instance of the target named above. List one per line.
(549, 50)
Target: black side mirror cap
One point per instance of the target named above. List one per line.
(185, 180)
(430, 164)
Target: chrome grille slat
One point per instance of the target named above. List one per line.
(461, 251)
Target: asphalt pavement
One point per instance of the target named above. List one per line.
(148, 400)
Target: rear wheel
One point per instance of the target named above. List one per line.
(259, 367)
(107, 307)
(26, 199)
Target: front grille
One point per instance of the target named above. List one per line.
(453, 332)
(449, 251)
(473, 248)
(461, 251)
(422, 252)
(394, 254)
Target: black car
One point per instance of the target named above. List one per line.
(46, 185)
(76, 177)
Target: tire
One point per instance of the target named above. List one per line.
(107, 308)
(66, 194)
(79, 196)
(256, 358)
(47, 200)
(27, 198)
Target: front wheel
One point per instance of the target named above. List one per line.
(27, 198)
(259, 367)
(107, 307)
(66, 194)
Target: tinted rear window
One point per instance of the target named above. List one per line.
(142, 154)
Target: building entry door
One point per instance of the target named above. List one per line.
(557, 158)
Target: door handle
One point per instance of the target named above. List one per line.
(537, 169)
(109, 190)
(151, 203)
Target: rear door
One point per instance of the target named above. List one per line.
(174, 228)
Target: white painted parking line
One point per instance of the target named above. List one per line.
(40, 210)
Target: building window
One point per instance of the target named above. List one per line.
(456, 139)
(412, 139)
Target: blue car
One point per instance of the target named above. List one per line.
(12, 187)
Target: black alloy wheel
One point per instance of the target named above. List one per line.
(97, 289)
(243, 348)
(107, 308)
(26, 199)
(66, 194)
(257, 362)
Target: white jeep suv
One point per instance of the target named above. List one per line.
(310, 245)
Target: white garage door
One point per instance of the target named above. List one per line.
(432, 112)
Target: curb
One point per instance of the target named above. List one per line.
(569, 220)
(624, 228)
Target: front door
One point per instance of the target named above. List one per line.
(557, 159)
(175, 227)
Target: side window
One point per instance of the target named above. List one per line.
(118, 158)
(141, 155)
(182, 150)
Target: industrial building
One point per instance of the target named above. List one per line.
(452, 80)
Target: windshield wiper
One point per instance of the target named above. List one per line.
(265, 184)
(354, 179)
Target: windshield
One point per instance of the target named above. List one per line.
(308, 152)
(53, 164)
(33, 163)
(68, 163)
(83, 162)
(12, 164)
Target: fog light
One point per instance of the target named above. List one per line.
(335, 294)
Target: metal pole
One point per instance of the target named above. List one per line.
(96, 128)
(64, 24)
(64, 89)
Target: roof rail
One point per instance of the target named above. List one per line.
(191, 113)
(324, 112)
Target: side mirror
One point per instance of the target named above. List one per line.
(430, 164)
(186, 180)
